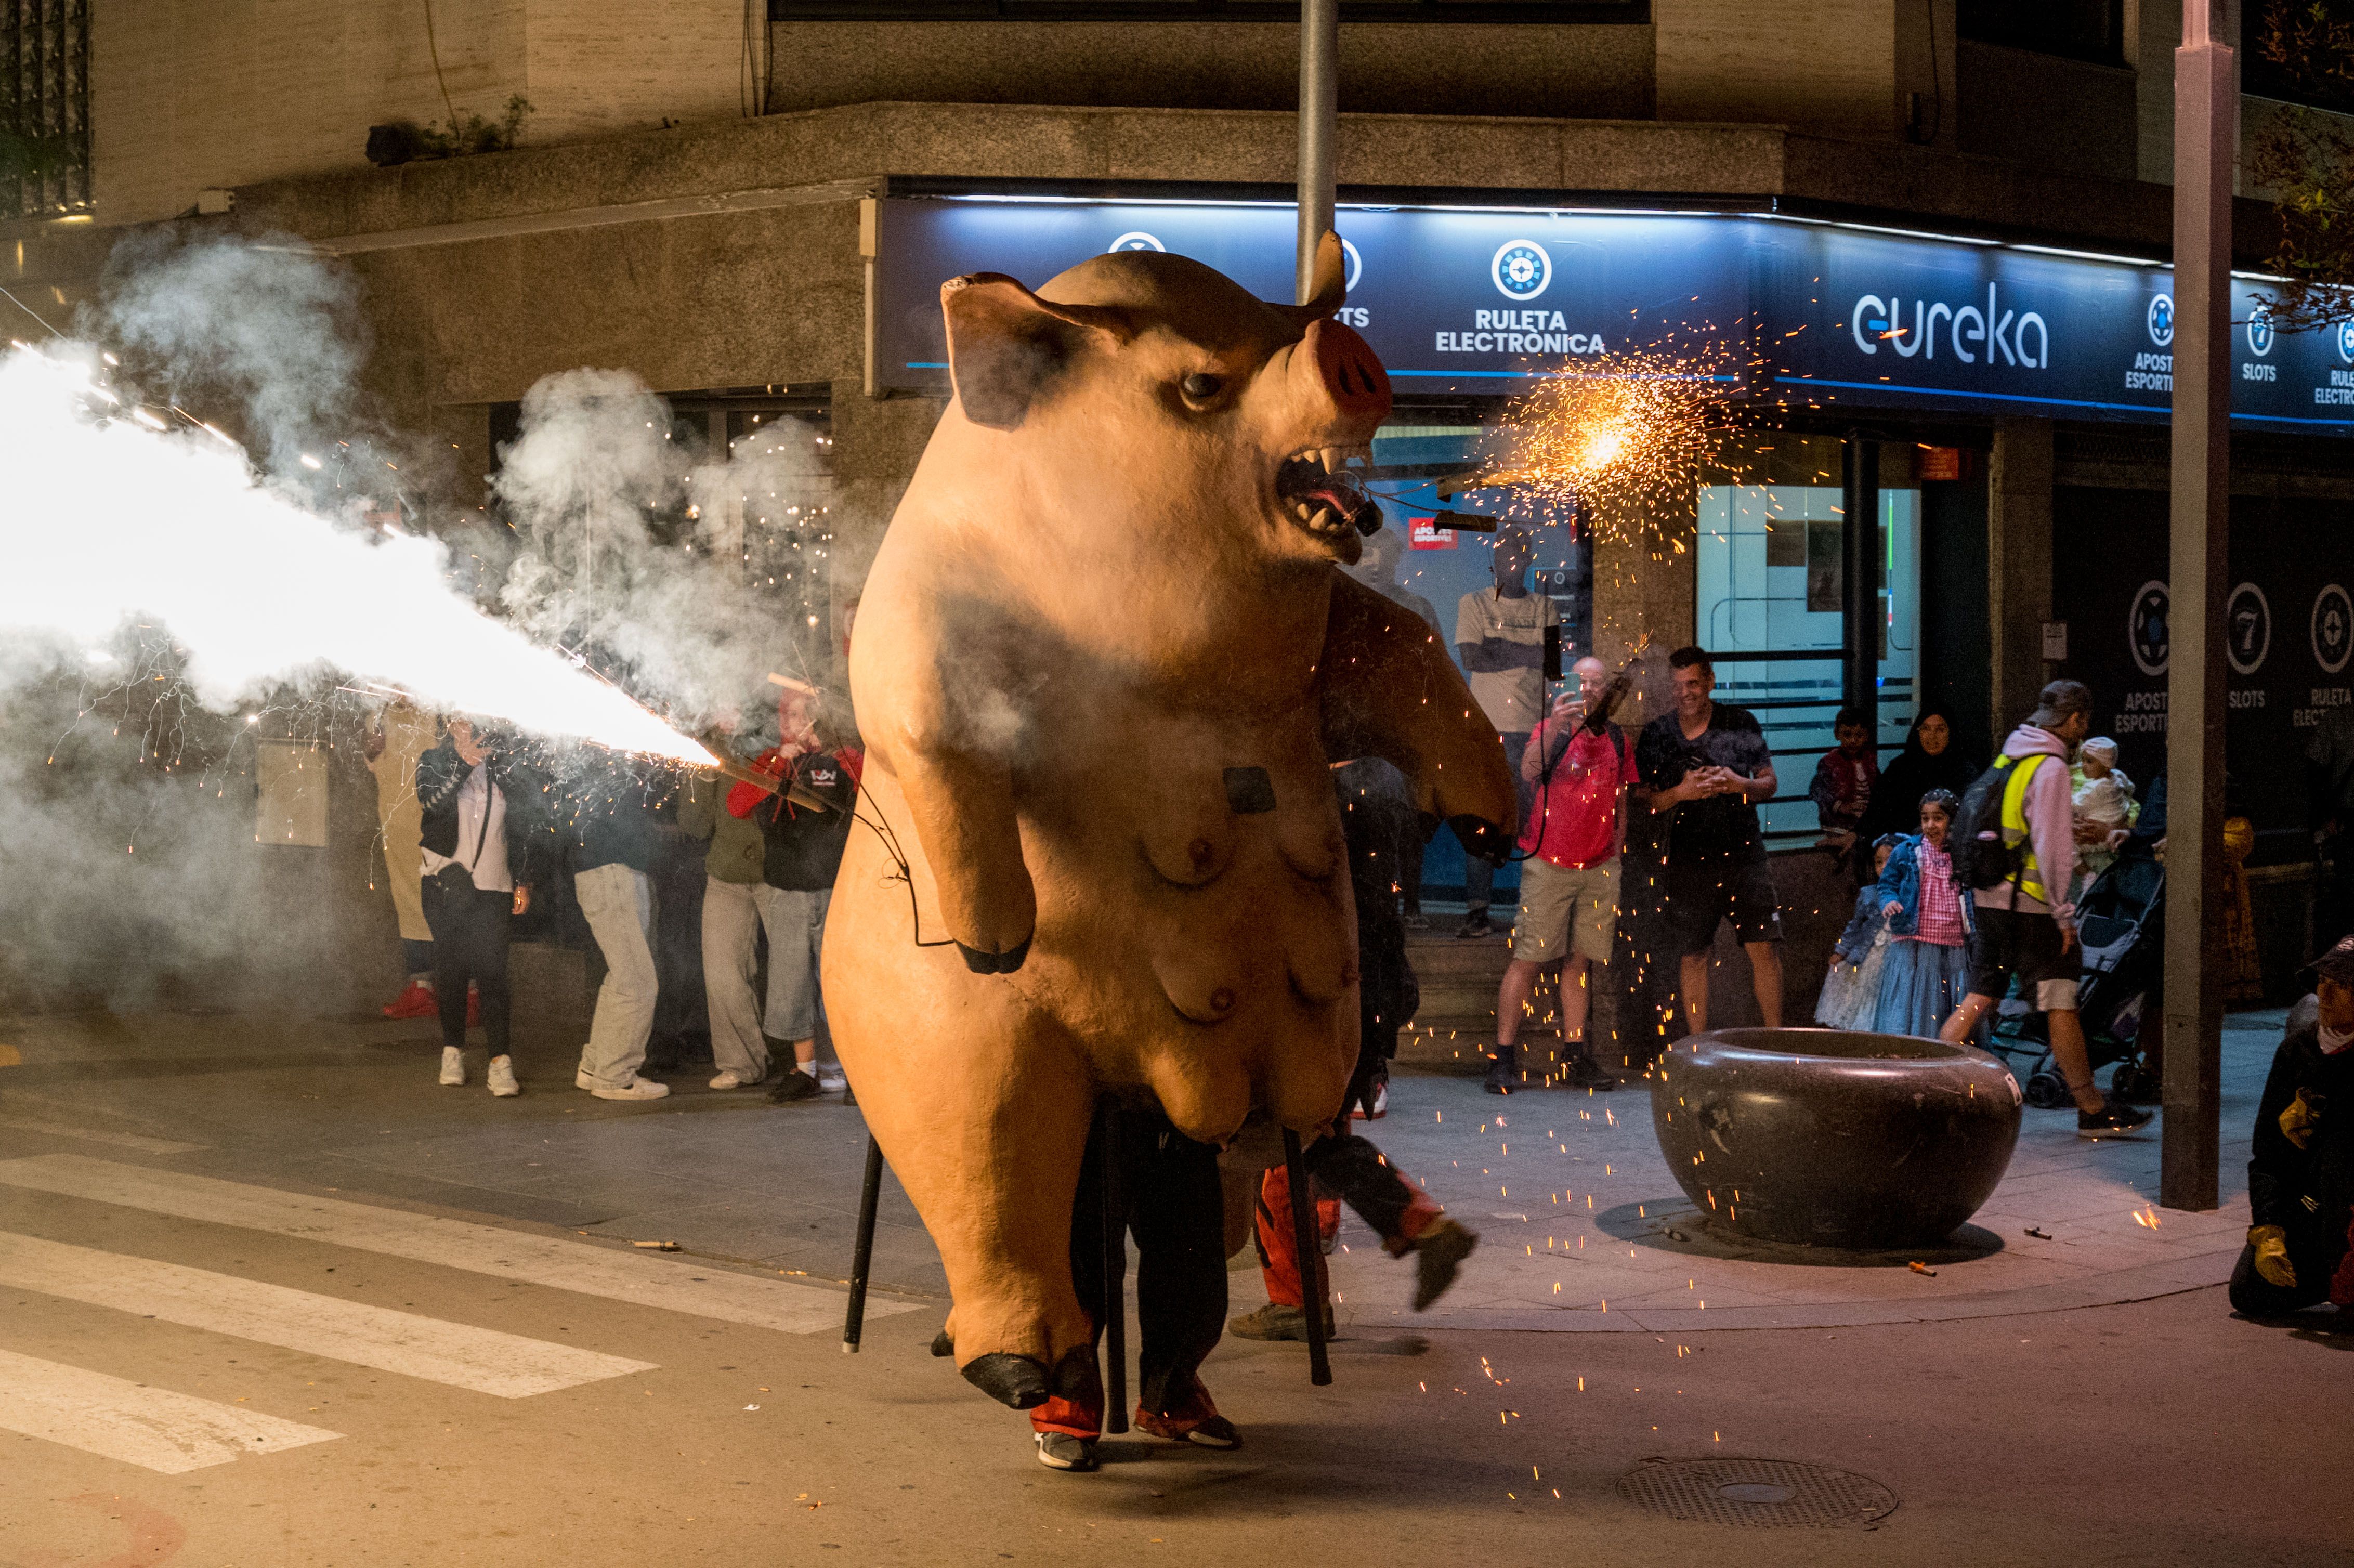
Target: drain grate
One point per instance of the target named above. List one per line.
(1755, 1493)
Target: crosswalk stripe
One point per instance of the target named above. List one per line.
(136, 1140)
(119, 1419)
(484, 1360)
(635, 1278)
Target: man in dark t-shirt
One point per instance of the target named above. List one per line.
(1707, 765)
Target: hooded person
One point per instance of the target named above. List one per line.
(1932, 759)
(2301, 1156)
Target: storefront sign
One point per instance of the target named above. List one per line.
(1817, 314)
(2288, 633)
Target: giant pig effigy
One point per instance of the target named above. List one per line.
(1103, 662)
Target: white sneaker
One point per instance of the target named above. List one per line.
(454, 1065)
(502, 1078)
(732, 1080)
(635, 1089)
(830, 1078)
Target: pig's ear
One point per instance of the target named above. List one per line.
(1331, 284)
(1006, 345)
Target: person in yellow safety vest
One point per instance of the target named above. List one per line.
(2025, 926)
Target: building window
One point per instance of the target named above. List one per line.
(1555, 12)
(2074, 29)
(1771, 560)
(44, 113)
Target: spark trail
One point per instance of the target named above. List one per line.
(105, 519)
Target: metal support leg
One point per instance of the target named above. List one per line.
(1114, 1275)
(862, 1255)
(1314, 1299)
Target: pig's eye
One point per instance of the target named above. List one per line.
(1201, 388)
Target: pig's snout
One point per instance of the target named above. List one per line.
(1350, 371)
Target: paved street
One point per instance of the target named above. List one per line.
(269, 1295)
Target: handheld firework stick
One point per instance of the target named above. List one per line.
(1115, 1274)
(1468, 522)
(1312, 1259)
(792, 791)
(862, 1257)
(1450, 488)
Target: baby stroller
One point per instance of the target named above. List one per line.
(2120, 922)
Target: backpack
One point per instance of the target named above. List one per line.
(1983, 857)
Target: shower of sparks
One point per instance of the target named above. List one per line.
(1624, 435)
(111, 521)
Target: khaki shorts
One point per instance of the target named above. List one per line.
(1564, 911)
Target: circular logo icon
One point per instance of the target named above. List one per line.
(2346, 341)
(2333, 629)
(2160, 319)
(1353, 266)
(2146, 631)
(2247, 628)
(1521, 269)
(2260, 332)
(1136, 239)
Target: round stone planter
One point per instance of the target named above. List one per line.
(1834, 1139)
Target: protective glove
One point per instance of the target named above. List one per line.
(2298, 1122)
(2270, 1243)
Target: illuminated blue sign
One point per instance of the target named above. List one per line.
(1821, 314)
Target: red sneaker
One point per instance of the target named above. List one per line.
(415, 1001)
(473, 1007)
(1191, 1419)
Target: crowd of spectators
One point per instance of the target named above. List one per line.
(474, 820)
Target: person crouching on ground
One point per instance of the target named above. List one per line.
(1927, 971)
(802, 851)
(1579, 764)
(2301, 1159)
(480, 832)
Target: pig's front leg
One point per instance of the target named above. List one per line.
(1391, 691)
(919, 706)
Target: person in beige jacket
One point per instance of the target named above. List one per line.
(401, 734)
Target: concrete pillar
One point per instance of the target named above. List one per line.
(2019, 566)
(876, 444)
(1645, 584)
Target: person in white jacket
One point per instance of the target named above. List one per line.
(2025, 926)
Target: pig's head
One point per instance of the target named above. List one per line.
(1147, 390)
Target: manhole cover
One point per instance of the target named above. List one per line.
(1755, 1493)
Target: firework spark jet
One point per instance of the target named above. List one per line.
(107, 519)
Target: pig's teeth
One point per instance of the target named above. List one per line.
(1326, 520)
(1304, 510)
(1332, 458)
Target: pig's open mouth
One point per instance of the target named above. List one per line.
(1321, 494)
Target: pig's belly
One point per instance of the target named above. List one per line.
(1196, 932)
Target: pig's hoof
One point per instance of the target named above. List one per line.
(1009, 1379)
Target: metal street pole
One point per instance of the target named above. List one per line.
(1859, 576)
(2205, 122)
(1319, 109)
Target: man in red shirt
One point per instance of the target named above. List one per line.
(1578, 764)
